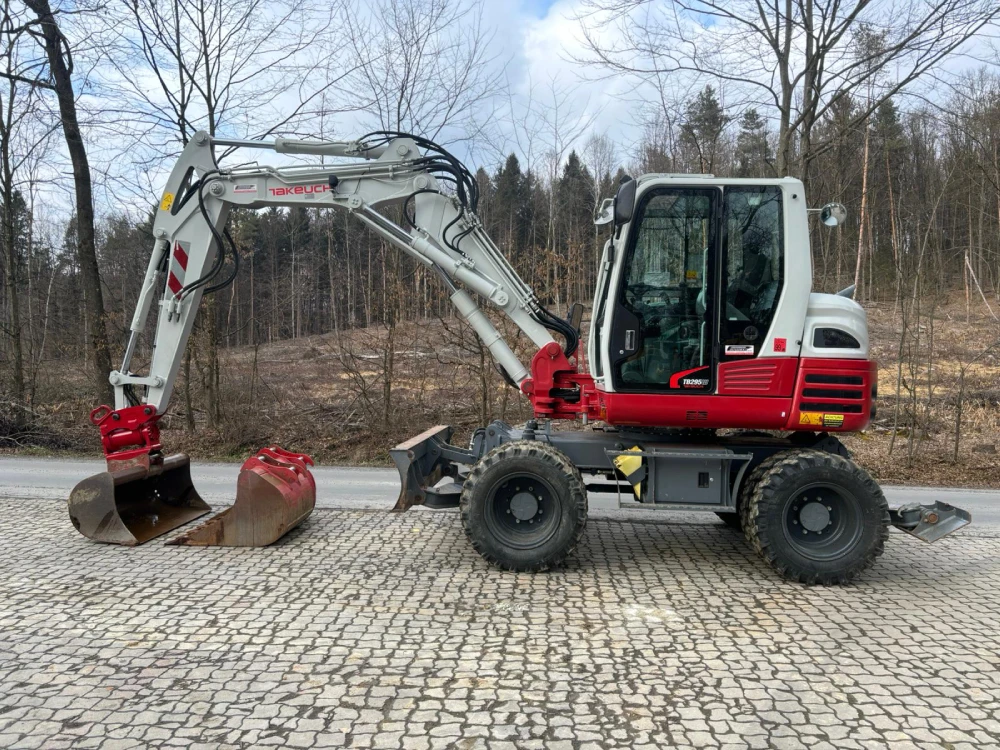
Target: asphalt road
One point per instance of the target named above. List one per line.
(359, 488)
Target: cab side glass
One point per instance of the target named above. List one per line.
(753, 240)
(625, 202)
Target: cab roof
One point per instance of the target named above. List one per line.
(710, 179)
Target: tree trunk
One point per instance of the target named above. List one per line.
(388, 367)
(212, 380)
(61, 70)
(188, 406)
(863, 216)
(17, 351)
(784, 156)
(10, 252)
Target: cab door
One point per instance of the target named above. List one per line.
(753, 271)
(663, 329)
(600, 307)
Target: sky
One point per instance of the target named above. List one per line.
(537, 8)
(543, 37)
(533, 45)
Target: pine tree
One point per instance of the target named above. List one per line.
(701, 133)
(512, 211)
(575, 217)
(753, 152)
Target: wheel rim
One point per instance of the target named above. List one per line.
(522, 511)
(822, 522)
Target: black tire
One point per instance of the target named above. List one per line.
(524, 506)
(822, 442)
(737, 520)
(800, 495)
(732, 520)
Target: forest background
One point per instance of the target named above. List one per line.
(330, 342)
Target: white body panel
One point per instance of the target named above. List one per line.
(797, 285)
(833, 311)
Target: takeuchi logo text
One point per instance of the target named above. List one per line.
(299, 190)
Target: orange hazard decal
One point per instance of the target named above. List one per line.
(811, 417)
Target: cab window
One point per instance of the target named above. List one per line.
(666, 293)
(753, 239)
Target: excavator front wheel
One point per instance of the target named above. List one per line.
(524, 506)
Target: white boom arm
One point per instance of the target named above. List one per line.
(199, 196)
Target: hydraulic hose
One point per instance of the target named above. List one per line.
(236, 265)
(220, 244)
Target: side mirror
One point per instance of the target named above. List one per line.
(625, 202)
(833, 214)
(605, 214)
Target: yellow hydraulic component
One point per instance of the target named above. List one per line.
(633, 468)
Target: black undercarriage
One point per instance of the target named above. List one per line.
(811, 513)
(686, 469)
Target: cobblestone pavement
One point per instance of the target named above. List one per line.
(366, 629)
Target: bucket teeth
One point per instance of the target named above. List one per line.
(275, 492)
(133, 504)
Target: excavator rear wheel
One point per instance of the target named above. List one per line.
(815, 517)
(746, 489)
(524, 506)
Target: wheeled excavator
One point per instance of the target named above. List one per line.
(713, 379)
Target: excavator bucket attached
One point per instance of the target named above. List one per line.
(132, 504)
(275, 492)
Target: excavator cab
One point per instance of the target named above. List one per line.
(692, 279)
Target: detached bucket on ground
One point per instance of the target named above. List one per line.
(275, 492)
(135, 504)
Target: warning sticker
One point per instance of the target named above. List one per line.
(833, 420)
(691, 275)
(780, 345)
(167, 202)
(811, 417)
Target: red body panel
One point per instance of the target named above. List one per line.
(779, 393)
(128, 433)
(758, 377)
(834, 387)
(688, 410)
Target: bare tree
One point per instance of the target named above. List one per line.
(57, 76)
(601, 157)
(424, 66)
(243, 66)
(792, 55)
(18, 98)
(562, 122)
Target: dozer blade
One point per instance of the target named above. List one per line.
(275, 492)
(135, 504)
(929, 522)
